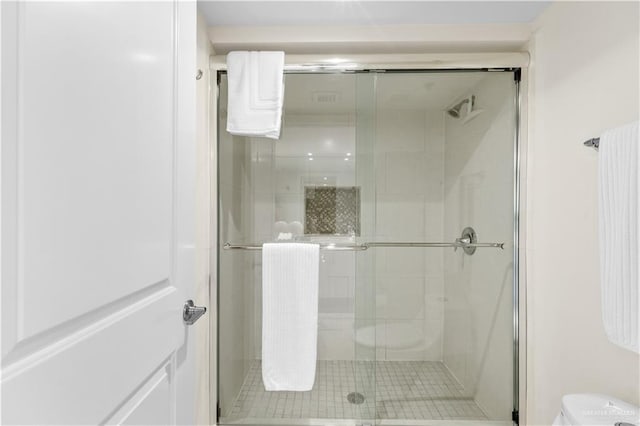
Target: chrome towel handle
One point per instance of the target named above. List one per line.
(468, 242)
(191, 313)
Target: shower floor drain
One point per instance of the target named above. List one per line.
(355, 398)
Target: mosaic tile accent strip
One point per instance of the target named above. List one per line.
(411, 390)
(332, 210)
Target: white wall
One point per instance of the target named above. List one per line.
(478, 331)
(584, 79)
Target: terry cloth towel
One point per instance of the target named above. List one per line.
(290, 276)
(256, 93)
(618, 220)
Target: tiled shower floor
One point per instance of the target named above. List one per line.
(412, 390)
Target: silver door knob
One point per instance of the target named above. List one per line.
(191, 312)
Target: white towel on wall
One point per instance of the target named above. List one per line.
(256, 92)
(619, 232)
(290, 277)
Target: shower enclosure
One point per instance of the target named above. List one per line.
(407, 181)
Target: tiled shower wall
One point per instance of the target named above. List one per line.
(409, 201)
(278, 193)
(409, 207)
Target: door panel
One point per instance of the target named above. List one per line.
(110, 359)
(155, 394)
(98, 160)
(109, 149)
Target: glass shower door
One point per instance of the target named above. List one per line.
(444, 156)
(406, 334)
(316, 185)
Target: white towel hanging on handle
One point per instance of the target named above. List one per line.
(290, 278)
(619, 232)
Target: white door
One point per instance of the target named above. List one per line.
(98, 163)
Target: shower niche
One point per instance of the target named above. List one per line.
(332, 210)
(407, 334)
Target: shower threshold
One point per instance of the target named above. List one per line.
(353, 422)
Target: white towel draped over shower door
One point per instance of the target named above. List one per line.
(619, 232)
(256, 93)
(290, 278)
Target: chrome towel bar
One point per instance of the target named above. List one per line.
(467, 242)
(368, 245)
(333, 247)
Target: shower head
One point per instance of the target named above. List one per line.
(454, 111)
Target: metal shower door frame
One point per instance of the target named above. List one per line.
(332, 68)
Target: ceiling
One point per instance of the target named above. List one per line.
(376, 13)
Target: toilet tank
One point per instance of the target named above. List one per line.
(597, 409)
